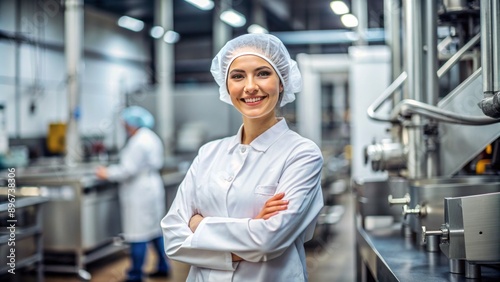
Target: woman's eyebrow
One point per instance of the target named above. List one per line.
(236, 70)
(261, 68)
(257, 69)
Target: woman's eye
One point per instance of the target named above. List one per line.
(264, 73)
(236, 76)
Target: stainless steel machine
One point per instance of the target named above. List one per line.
(470, 235)
(445, 128)
(81, 218)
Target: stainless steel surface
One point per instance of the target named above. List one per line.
(429, 195)
(372, 197)
(432, 244)
(387, 256)
(472, 270)
(456, 142)
(474, 228)
(81, 218)
(457, 266)
(386, 155)
(27, 233)
(482, 227)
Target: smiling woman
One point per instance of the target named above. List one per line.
(249, 202)
(254, 87)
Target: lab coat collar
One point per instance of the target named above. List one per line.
(265, 140)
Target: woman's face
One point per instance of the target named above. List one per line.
(254, 86)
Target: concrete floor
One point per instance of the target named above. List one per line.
(333, 260)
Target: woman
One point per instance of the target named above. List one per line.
(141, 193)
(249, 202)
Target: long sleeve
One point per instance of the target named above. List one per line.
(131, 162)
(261, 240)
(178, 236)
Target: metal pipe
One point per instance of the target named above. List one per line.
(221, 31)
(360, 10)
(393, 39)
(431, 58)
(408, 106)
(388, 93)
(495, 21)
(414, 58)
(165, 76)
(486, 46)
(17, 75)
(414, 67)
(73, 30)
(444, 43)
(458, 55)
(432, 93)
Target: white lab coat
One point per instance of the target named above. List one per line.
(141, 192)
(228, 183)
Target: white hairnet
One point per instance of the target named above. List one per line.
(138, 117)
(269, 48)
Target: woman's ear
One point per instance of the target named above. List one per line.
(281, 87)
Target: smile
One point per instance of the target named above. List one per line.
(253, 100)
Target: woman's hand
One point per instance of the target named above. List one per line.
(195, 221)
(235, 257)
(101, 172)
(273, 206)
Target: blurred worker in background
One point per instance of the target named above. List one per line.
(249, 202)
(141, 192)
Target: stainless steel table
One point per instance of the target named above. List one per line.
(385, 255)
(25, 239)
(81, 218)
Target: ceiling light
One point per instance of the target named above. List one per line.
(156, 32)
(202, 4)
(171, 37)
(349, 20)
(255, 28)
(233, 18)
(130, 23)
(339, 7)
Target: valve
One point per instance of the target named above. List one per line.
(443, 232)
(418, 210)
(399, 201)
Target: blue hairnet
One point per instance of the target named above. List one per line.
(138, 117)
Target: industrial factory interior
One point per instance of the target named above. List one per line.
(400, 98)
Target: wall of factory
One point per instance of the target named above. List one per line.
(199, 114)
(116, 61)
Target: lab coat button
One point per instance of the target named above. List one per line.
(243, 149)
(229, 179)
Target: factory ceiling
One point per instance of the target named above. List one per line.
(195, 47)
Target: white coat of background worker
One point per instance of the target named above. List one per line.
(141, 192)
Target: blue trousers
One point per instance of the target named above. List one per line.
(138, 255)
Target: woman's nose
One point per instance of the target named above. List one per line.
(251, 87)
